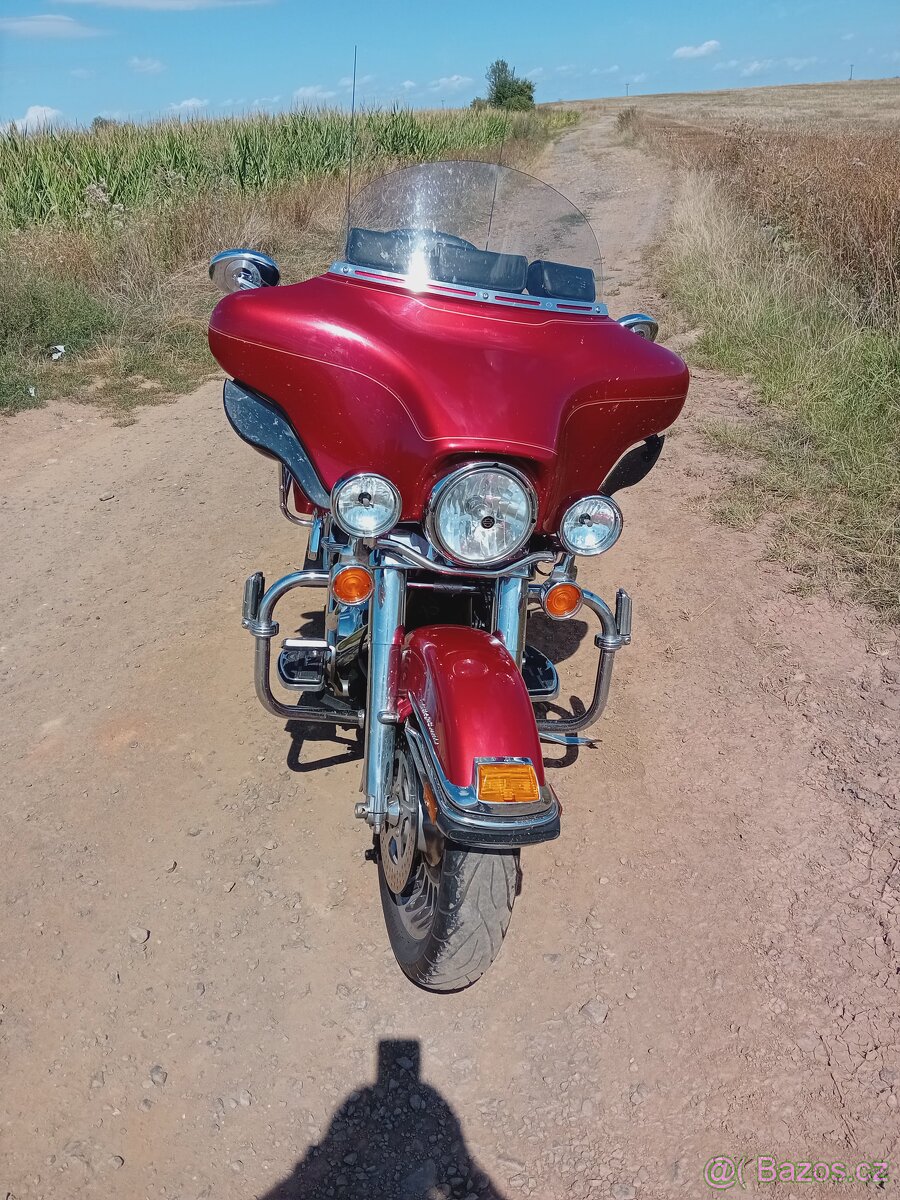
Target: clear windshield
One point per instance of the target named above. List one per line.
(479, 225)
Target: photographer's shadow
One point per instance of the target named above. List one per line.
(396, 1140)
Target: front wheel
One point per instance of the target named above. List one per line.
(446, 919)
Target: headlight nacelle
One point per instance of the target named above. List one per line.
(481, 514)
(591, 525)
(366, 505)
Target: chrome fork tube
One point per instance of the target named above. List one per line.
(510, 603)
(386, 617)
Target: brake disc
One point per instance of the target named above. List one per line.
(400, 832)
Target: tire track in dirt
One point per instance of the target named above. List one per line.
(706, 962)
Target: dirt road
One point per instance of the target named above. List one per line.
(194, 976)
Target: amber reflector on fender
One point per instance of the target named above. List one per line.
(562, 600)
(507, 783)
(352, 585)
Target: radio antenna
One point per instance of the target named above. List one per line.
(352, 140)
(496, 182)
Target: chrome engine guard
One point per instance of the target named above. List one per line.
(259, 605)
(386, 616)
(616, 634)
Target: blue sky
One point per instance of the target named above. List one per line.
(71, 60)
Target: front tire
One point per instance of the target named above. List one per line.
(448, 925)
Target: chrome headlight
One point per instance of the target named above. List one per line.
(482, 514)
(591, 525)
(365, 506)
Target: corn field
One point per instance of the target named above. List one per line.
(111, 230)
(61, 177)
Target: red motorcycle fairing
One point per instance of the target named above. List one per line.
(373, 377)
(466, 688)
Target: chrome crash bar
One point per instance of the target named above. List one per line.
(386, 618)
(259, 605)
(616, 634)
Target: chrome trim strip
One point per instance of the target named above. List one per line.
(462, 807)
(568, 739)
(462, 291)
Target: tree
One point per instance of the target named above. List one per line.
(506, 89)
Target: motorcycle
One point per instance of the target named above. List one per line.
(452, 411)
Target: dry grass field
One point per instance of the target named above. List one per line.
(784, 254)
(862, 104)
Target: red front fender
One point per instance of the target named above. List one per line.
(467, 689)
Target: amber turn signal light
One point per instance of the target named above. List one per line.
(507, 783)
(562, 600)
(352, 585)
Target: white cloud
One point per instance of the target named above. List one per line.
(313, 92)
(191, 105)
(450, 83)
(605, 70)
(362, 81)
(568, 69)
(700, 51)
(408, 85)
(264, 101)
(848, 37)
(169, 5)
(81, 73)
(639, 78)
(761, 66)
(37, 117)
(758, 66)
(146, 66)
(46, 26)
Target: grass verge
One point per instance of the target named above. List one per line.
(827, 448)
(108, 232)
